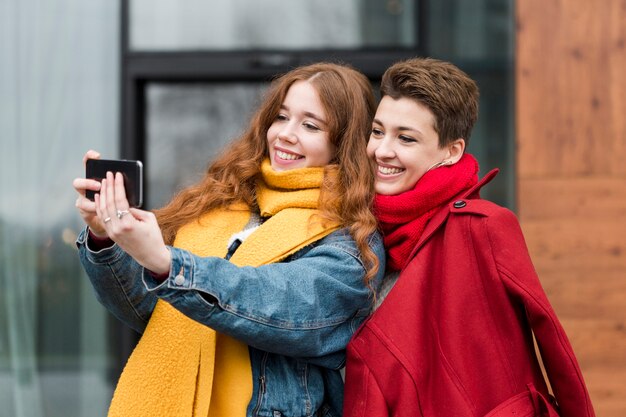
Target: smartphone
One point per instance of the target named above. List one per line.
(131, 170)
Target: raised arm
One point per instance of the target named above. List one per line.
(307, 306)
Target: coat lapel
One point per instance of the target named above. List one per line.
(441, 216)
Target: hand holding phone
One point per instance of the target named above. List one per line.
(131, 170)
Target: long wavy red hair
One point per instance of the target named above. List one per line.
(348, 188)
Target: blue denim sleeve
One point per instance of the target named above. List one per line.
(116, 279)
(307, 306)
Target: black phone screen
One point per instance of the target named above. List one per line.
(130, 169)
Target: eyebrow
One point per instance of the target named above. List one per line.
(402, 128)
(307, 114)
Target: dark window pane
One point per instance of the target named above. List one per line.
(187, 125)
(477, 36)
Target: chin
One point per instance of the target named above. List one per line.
(386, 190)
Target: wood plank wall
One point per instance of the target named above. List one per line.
(571, 176)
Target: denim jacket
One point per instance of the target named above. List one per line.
(296, 334)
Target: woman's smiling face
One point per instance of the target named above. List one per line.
(403, 143)
(298, 137)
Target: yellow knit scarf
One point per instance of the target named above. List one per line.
(183, 368)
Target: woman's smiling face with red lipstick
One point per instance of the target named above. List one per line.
(404, 144)
(298, 137)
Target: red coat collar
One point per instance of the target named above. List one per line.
(440, 217)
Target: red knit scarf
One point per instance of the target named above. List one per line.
(403, 217)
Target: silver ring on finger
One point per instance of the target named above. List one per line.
(108, 219)
(121, 213)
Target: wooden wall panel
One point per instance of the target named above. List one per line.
(573, 197)
(574, 292)
(570, 62)
(591, 335)
(566, 243)
(571, 176)
(608, 390)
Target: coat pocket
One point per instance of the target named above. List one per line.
(529, 403)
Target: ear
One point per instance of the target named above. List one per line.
(455, 151)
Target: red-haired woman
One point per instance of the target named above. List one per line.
(454, 334)
(248, 285)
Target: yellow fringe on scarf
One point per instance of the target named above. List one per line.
(183, 368)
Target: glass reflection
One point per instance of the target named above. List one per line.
(172, 25)
(187, 125)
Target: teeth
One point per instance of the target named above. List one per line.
(389, 170)
(288, 156)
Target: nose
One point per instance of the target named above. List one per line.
(385, 149)
(287, 134)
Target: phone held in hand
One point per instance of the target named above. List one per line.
(131, 170)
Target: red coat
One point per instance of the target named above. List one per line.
(453, 337)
